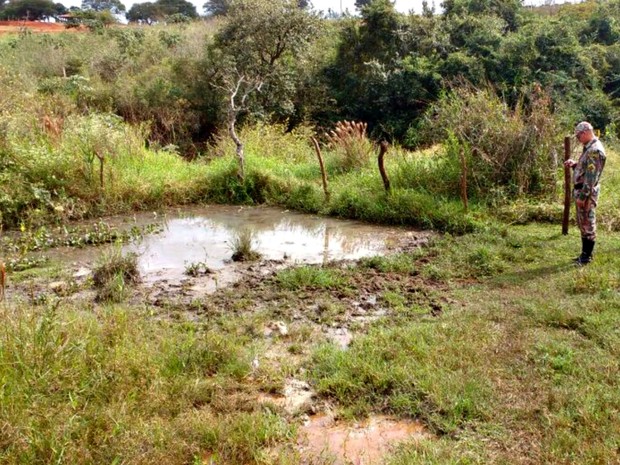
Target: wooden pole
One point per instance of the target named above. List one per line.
(2, 280)
(386, 182)
(463, 179)
(322, 165)
(567, 187)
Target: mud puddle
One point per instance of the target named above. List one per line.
(207, 235)
(361, 443)
(324, 439)
(203, 238)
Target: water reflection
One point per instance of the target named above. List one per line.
(205, 235)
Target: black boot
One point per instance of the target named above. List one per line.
(583, 250)
(586, 255)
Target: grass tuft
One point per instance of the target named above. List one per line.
(114, 274)
(243, 245)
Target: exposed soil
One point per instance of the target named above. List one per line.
(360, 443)
(333, 313)
(14, 27)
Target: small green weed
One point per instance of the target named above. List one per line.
(197, 269)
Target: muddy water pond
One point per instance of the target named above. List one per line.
(202, 238)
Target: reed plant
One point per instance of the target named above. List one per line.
(351, 146)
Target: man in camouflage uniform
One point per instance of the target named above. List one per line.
(586, 177)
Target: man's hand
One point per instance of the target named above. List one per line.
(570, 163)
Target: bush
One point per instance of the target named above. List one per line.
(507, 151)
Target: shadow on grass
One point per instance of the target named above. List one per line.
(523, 276)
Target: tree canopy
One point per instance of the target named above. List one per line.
(217, 7)
(31, 9)
(221, 7)
(114, 6)
(160, 10)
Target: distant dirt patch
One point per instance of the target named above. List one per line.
(15, 27)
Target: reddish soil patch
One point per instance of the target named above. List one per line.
(14, 27)
(360, 443)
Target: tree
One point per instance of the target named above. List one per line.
(359, 4)
(146, 12)
(114, 6)
(508, 10)
(427, 11)
(250, 53)
(173, 7)
(217, 7)
(150, 12)
(33, 10)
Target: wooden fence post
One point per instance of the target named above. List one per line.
(383, 150)
(463, 178)
(567, 187)
(322, 165)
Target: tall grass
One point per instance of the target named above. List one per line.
(58, 177)
(98, 165)
(116, 386)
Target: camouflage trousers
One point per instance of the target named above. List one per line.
(586, 221)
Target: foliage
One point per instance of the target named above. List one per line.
(506, 152)
(159, 10)
(250, 53)
(507, 10)
(256, 43)
(217, 7)
(33, 10)
(115, 6)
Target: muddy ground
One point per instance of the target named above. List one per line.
(287, 322)
(15, 27)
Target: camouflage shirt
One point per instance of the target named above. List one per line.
(588, 170)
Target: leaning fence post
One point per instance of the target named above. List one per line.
(322, 165)
(567, 187)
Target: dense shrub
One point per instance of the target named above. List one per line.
(504, 151)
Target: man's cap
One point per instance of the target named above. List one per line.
(583, 126)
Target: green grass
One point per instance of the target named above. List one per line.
(525, 354)
(519, 365)
(117, 386)
(310, 277)
(114, 274)
(489, 336)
